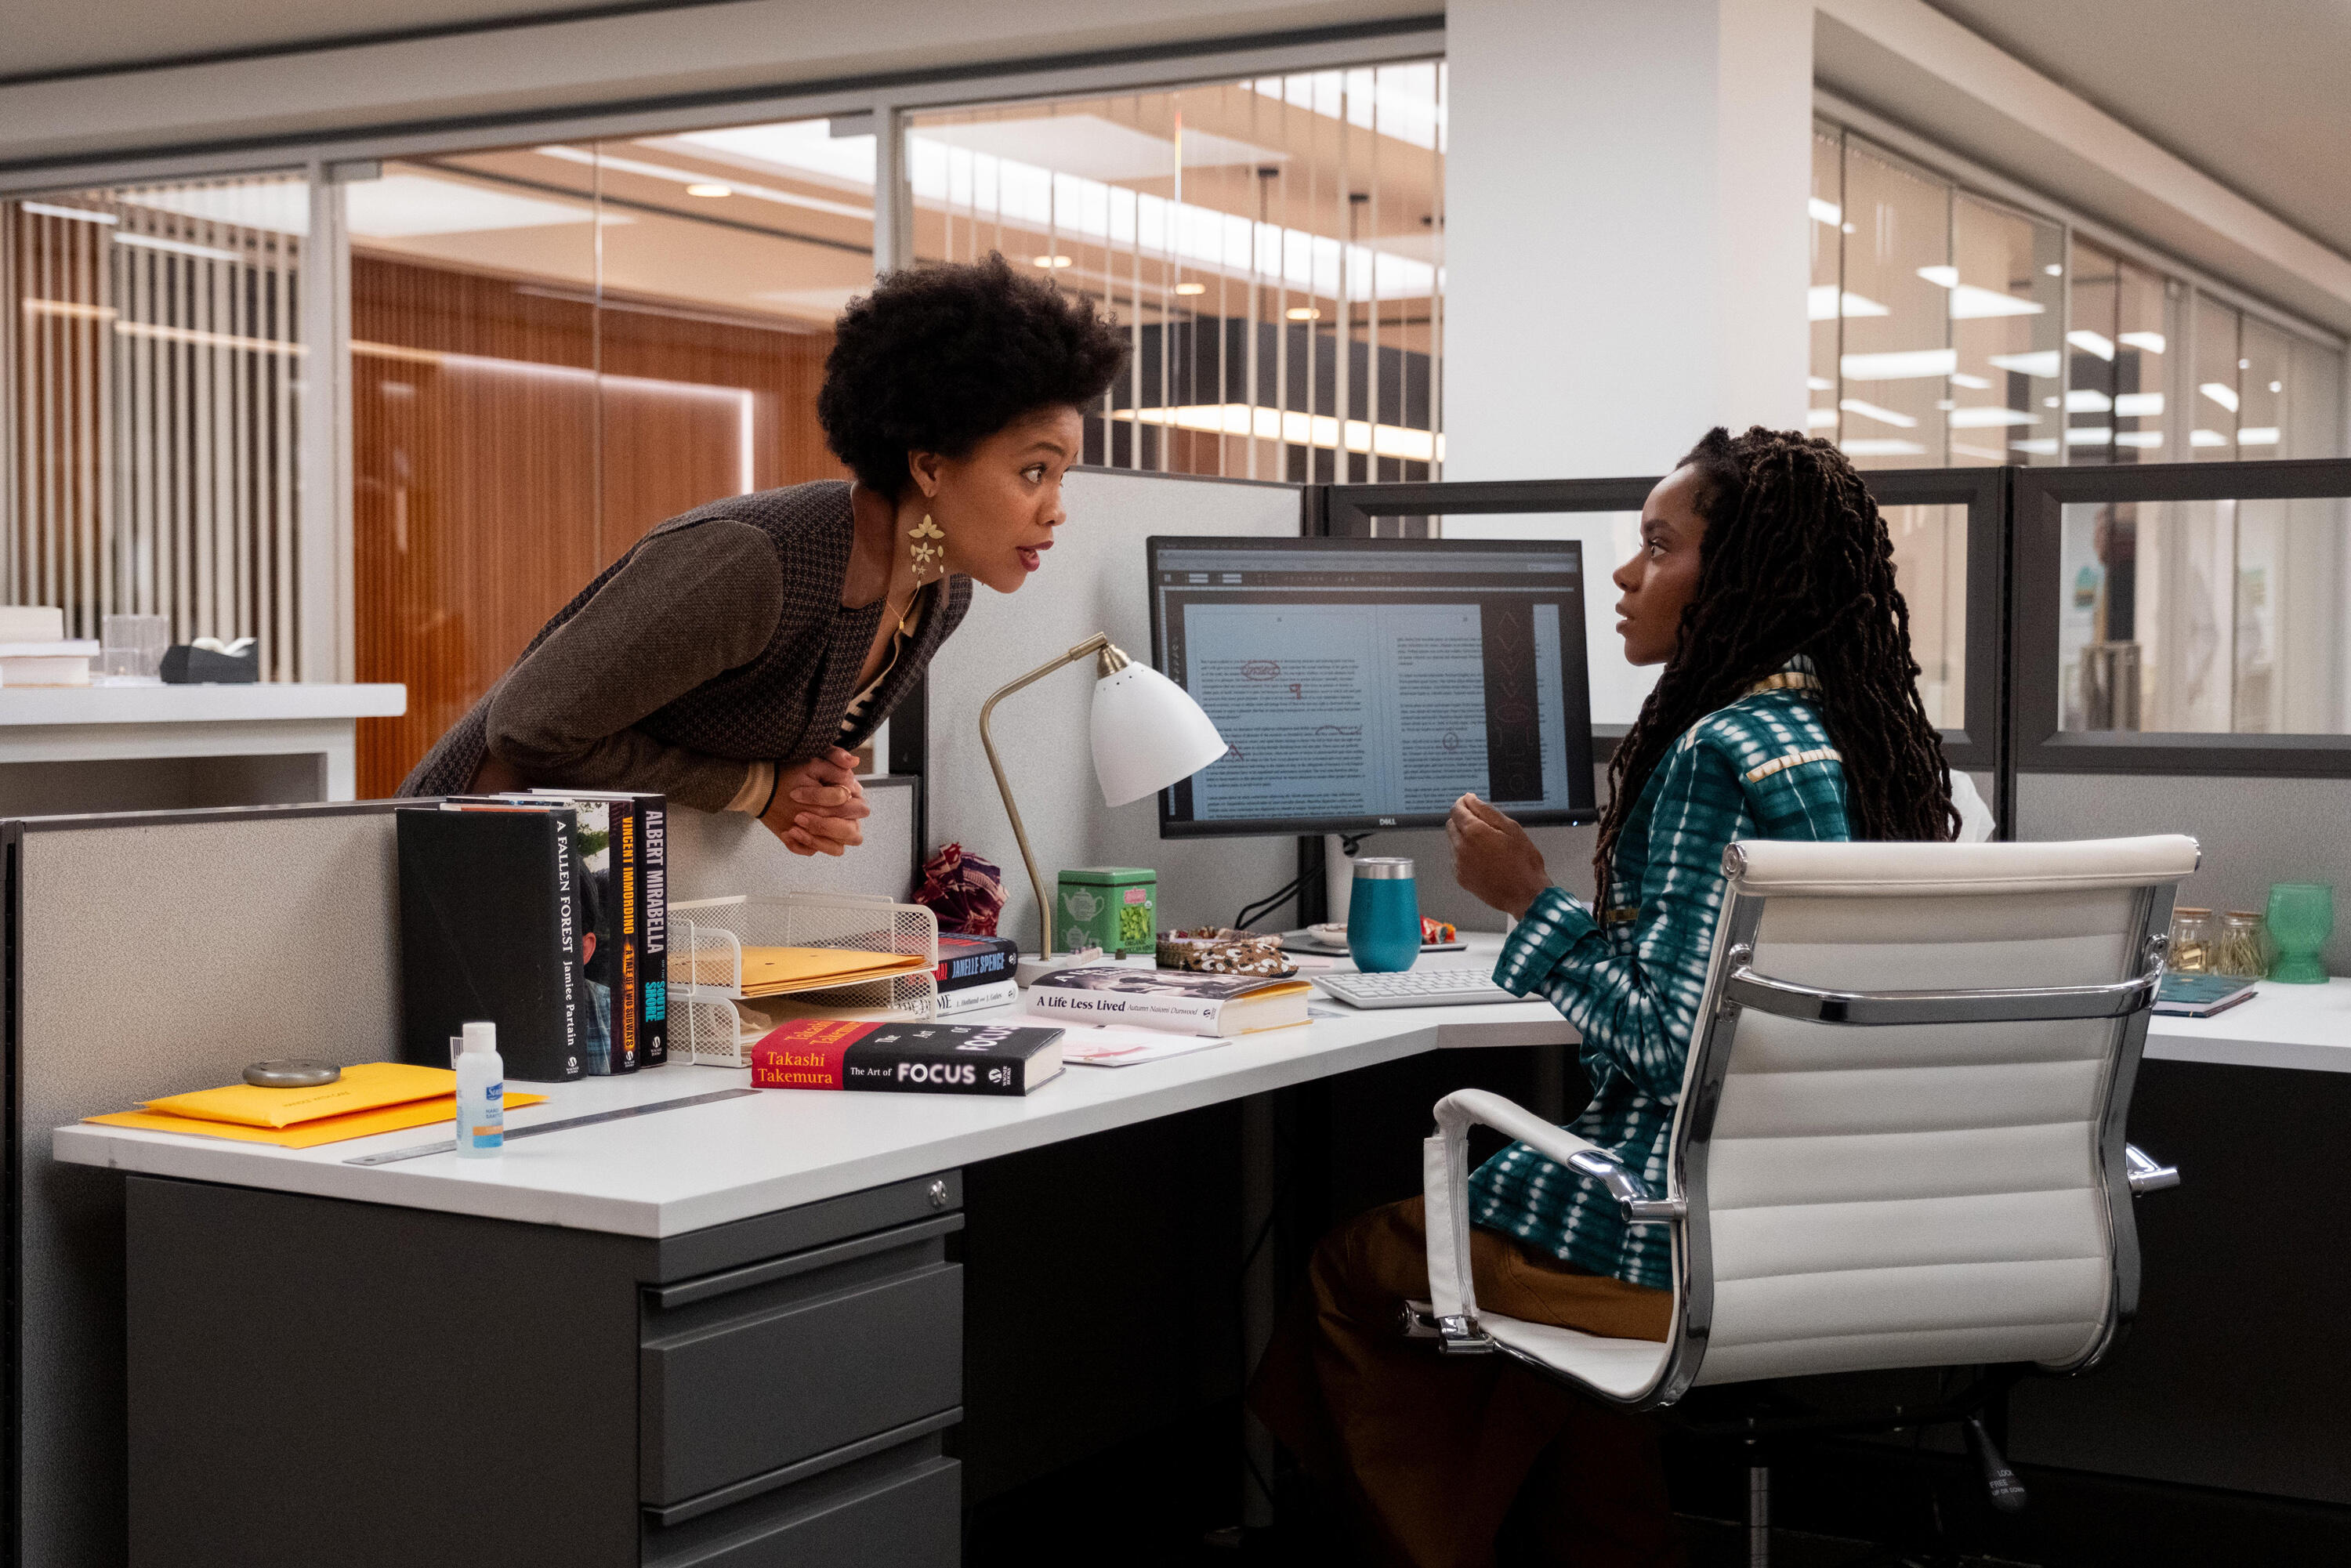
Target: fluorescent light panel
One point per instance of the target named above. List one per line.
(1821, 303)
(1823, 212)
(78, 215)
(1988, 418)
(2151, 341)
(1902, 365)
(1882, 446)
(2042, 364)
(2092, 343)
(2220, 393)
(1883, 415)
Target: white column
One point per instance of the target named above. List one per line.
(1625, 237)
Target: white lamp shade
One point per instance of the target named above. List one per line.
(1148, 733)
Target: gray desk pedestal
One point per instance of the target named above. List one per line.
(320, 1381)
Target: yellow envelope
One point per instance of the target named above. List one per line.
(361, 1088)
(310, 1134)
(773, 971)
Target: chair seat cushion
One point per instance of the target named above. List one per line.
(1622, 1368)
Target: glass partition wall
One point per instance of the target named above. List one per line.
(1275, 247)
(1952, 329)
(154, 355)
(554, 348)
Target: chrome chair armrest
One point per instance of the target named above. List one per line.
(2145, 1175)
(1633, 1196)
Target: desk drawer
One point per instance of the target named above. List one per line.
(902, 1510)
(754, 1368)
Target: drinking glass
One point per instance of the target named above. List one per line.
(2301, 918)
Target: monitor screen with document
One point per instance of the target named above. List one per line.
(1366, 683)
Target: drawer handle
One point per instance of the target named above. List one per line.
(726, 1496)
(743, 1279)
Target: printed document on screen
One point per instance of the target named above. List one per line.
(1297, 689)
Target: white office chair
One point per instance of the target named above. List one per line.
(1900, 1136)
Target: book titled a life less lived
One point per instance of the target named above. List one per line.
(914, 1058)
(489, 931)
(1177, 999)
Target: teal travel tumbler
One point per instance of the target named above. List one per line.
(1384, 915)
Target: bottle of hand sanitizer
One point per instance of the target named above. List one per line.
(481, 1093)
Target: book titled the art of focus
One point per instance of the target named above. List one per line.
(911, 1057)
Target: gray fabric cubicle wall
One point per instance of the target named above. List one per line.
(1093, 581)
(2253, 831)
(153, 954)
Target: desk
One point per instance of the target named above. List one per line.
(727, 1335)
(128, 748)
(2301, 1026)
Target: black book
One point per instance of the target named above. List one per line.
(489, 930)
(914, 1058)
(968, 961)
(640, 828)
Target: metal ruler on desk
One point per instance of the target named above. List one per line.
(449, 1145)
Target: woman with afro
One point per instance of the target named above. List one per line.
(1788, 708)
(733, 657)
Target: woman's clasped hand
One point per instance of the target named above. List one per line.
(818, 805)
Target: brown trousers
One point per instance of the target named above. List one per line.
(1433, 1452)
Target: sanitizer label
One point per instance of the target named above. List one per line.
(490, 1132)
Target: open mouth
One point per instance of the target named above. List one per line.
(1031, 558)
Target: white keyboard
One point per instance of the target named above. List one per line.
(1416, 988)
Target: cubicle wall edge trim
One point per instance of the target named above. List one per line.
(12, 905)
(2036, 513)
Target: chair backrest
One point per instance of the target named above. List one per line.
(1935, 1177)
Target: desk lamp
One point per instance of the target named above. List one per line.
(1148, 733)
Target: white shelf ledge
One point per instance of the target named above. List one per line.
(2303, 1027)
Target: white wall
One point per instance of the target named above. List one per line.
(1625, 230)
(1093, 581)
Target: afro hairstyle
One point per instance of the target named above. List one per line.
(943, 355)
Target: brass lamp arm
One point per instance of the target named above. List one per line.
(1112, 660)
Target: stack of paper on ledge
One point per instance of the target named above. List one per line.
(371, 1097)
(774, 971)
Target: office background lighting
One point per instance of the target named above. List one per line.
(1051, 261)
(709, 189)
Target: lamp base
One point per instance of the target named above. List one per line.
(1025, 974)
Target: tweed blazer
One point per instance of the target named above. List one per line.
(717, 640)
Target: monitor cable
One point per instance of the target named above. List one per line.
(1350, 844)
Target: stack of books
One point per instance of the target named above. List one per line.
(35, 651)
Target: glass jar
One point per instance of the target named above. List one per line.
(2242, 948)
(2191, 942)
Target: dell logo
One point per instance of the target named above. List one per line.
(1388, 822)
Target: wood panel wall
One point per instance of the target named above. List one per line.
(497, 471)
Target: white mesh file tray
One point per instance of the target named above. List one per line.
(706, 941)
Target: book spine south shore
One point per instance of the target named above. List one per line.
(1189, 1015)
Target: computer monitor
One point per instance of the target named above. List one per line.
(1366, 683)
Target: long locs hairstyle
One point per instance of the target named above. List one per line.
(1796, 559)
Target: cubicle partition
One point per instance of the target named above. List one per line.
(1092, 581)
(151, 954)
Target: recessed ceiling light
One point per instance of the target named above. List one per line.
(2054, 269)
(1191, 288)
(1304, 313)
(2245, 364)
(709, 188)
(2277, 386)
(1051, 260)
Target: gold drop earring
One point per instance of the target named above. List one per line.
(929, 551)
(928, 556)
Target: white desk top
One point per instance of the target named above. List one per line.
(194, 704)
(708, 1164)
(2306, 1026)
